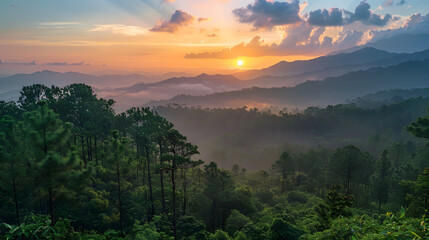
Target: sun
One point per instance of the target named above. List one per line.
(240, 62)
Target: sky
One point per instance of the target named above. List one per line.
(155, 36)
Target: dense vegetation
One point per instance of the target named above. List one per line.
(245, 136)
(73, 169)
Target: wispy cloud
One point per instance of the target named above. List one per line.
(120, 29)
(57, 23)
(202, 19)
(67, 64)
(2, 62)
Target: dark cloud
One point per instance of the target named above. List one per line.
(339, 17)
(178, 20)
(67, 64)
(331, 17)
(264, 14)
(212, 35)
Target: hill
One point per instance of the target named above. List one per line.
(332, 90)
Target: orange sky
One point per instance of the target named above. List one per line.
(142, 35)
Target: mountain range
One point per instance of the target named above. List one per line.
(332, 90)
(292, 77)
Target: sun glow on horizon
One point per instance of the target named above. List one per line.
(240, 62)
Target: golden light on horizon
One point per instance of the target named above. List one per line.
(240, 62)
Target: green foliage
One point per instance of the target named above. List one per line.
(335, 205)
(296, 196)
(96, 175)
(235, 222)
(220, 235)
(365, 227)
(188, 227)
(283, 230)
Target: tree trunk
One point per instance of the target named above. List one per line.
(213, 215)
(83, 150)
(51, 206)
(185, 183)
(95, 149)
(162, 178)
(88, 146)
(426, 200)
(15, 199)
(174, 201)
(284, 177)
(149, 180)
(379, 206)
(118, 175)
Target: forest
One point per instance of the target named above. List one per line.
(71, 168)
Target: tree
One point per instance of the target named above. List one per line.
(119, 163)
(160, 138)
(32, 95)
(180, 156)
(235, 222)
(88, 115)
(334, 205)
(235, 169)
(220, 235)
(420, 127)
(217, 190)
(282, 230)
(56, 175)
(381, 179)
(143, 126)
(420, 194)
(346, 162)
(284, 165)
(188, 227)
(12, 160)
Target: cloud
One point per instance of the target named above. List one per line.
(202, 19)
(2, 62)
(120, 29)
(387, 3)
(402, 2)
(212, 35)
(266, 14)
(331, 17)
(301, 39)
(177, 21)
(67, 64)
(58, 23)
(340, 17)
(415, 24)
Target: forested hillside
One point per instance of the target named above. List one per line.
(73, 169)
(245, 136)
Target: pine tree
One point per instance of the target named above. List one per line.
(12, 161)
(56, 173)
(381, 179)
(119, 166)
(284, 165)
